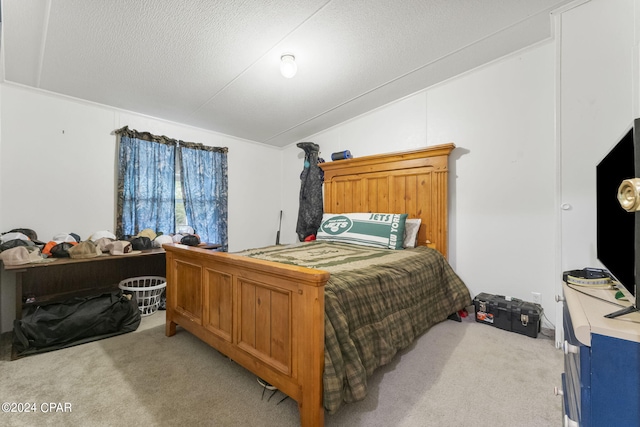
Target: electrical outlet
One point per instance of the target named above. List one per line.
(537, 297)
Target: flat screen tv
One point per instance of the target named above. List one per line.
(618, 231)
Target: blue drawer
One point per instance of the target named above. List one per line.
(577, 377)
(569, 333)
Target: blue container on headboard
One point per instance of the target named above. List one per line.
(341, 155)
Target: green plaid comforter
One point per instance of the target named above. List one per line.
(377, 302)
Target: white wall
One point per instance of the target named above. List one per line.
(502, 179)
(57, 165)
(58, 172)
(502, 116)
(597, 95)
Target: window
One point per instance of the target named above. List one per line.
(164, 183)
(181, 214)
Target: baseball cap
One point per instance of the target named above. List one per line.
(86, 249)
(102, 243)
(186, 229)
(102, 233)
(190, 240)
(12, 236)
(31, 234)
(121, 247)
(147, 232)
(161, 240)
(20, 255)
(15, 242)
(65, 237)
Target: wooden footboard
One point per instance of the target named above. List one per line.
(266, 316)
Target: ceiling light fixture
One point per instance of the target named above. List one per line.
(288, 66)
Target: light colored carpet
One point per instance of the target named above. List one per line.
(455, 374)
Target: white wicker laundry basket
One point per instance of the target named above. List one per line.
(147, 290)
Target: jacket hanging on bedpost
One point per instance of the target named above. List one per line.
(311, 209)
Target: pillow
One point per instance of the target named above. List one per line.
(380, 230)
(411, 227)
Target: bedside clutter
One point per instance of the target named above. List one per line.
(510, 314)
(75, 321)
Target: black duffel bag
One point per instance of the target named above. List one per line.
(75, 321)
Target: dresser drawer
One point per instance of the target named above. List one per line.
(569, 333)
(577, 376)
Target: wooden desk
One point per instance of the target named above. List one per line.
(38, 284)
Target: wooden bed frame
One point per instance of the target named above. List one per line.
(269, 317)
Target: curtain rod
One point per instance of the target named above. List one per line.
(147, 136)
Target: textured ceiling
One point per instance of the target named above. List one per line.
(215, 64)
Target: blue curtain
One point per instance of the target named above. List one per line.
(146, 183)
(204, 189)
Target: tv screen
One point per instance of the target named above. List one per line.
(616, 230)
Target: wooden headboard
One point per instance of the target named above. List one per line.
(411, 182)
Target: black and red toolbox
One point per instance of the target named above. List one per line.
(510, 314)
